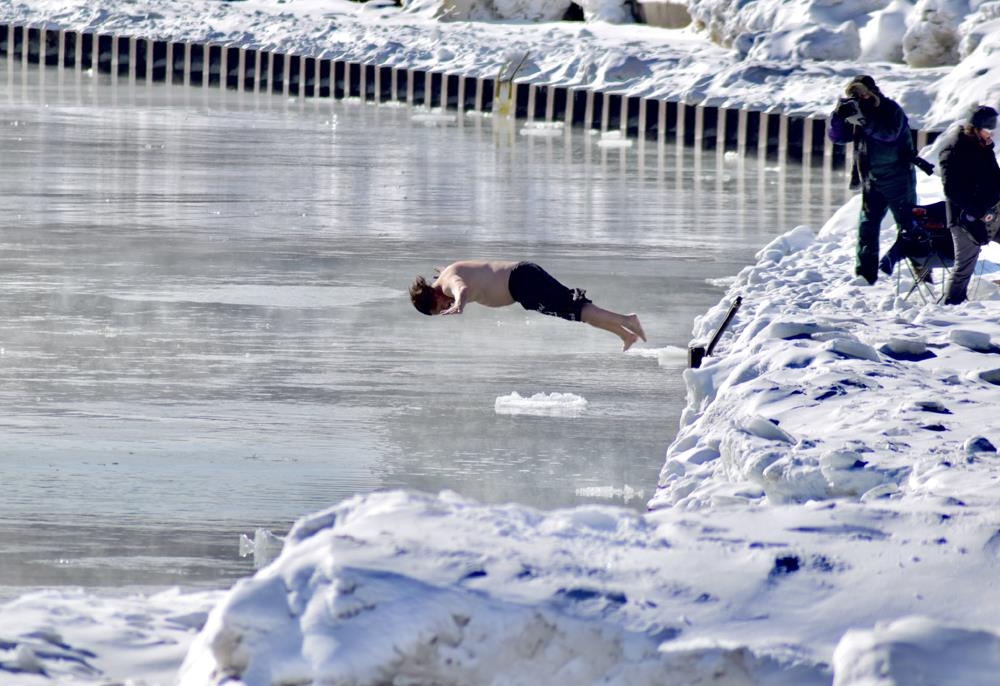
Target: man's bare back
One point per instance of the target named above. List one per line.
(477, 281)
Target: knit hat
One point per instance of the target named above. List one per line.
(860, 84)
(984, 117)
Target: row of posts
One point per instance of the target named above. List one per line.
(246, 69)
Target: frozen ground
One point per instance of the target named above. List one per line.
(828, 512)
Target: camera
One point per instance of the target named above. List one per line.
(850, 111)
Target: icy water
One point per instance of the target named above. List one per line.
(204, 325)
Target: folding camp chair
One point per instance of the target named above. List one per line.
(923, 246)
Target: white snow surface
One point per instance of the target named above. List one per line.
(827, 514)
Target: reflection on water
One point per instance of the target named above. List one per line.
(204, 326)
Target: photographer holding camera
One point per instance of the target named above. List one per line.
(971, 178)
(883, 155)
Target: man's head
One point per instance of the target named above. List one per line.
(983, 117)
(426, 298)
(422, 295)
(863, 89)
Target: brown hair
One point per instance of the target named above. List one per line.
(422, 295)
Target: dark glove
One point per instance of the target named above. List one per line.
(849, 110)
(923, 165)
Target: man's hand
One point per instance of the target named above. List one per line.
(460, 297)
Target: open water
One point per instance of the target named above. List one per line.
(204, 326)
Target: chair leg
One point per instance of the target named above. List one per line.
(923, 282)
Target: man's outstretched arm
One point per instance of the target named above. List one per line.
(459, 292)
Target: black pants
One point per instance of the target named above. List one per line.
(895, 194)
(535, 289)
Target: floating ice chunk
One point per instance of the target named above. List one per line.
(669, 356)
(542, 129)
(722, 282)
(433, 118)
(540, 133)
(973, 340)
(541, 404)
(614, 143)
(614, 139)
(626, 493)
(264, 547)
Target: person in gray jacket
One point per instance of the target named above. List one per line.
(971, 179)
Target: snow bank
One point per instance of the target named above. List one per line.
(519, 10)
(916, 650)
(416, 588)
(69, 636)
(928, 33)
(829, 388)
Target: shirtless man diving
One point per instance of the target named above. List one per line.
(499, 283)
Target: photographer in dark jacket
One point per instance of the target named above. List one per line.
(972, 186)
(883, 155)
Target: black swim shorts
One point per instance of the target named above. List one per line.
(536, 289)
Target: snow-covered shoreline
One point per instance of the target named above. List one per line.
(628, 59)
